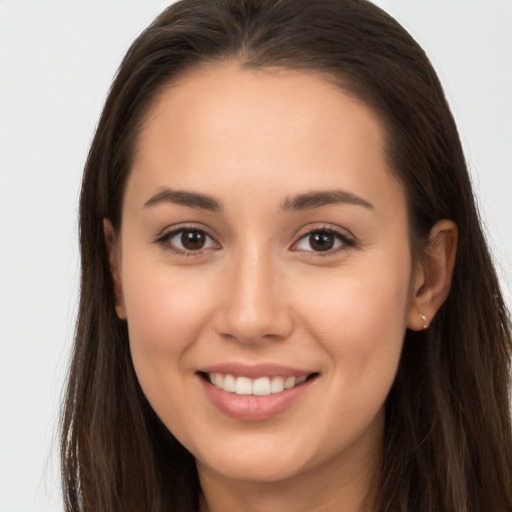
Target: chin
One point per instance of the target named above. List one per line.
(264, 473)
(267, 465)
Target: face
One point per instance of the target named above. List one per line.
(264, 268)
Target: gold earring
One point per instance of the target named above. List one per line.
(424, 318)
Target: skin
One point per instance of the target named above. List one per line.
(258, 292)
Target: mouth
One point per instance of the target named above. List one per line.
(261, 386)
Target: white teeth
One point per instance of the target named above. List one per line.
(261, 386)
(243, 386)
(289, 383)
(217, 379)
(277, 384)
(229, 383)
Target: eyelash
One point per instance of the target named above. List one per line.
(164, 240)
(346, 242)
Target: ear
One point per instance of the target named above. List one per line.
(112, 242)
(433, 277)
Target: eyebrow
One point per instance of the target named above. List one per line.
(181, 197)
(306, 201)
(323, 198)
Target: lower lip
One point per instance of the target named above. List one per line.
(254, 407)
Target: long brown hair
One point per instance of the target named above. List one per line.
(447, 441)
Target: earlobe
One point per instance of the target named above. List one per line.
(113, 258)
(433, 285)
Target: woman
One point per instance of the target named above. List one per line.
(287, 302)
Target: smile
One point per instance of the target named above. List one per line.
(271, 391)
(261, 386)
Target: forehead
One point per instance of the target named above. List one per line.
(228, 126)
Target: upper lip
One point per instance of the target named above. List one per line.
(255, 371)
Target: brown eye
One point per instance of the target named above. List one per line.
(192, 240)
(323, 240)
(188, 240)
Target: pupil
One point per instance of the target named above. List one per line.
(192, 240)
(322, 241)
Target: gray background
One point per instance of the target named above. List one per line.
(57, 60)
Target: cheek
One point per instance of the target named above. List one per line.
(368, 304)
(359, 318)
(159, 319)
(166, 312)
(165, 306)
(361, 329)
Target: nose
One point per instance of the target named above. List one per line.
(254, 305)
